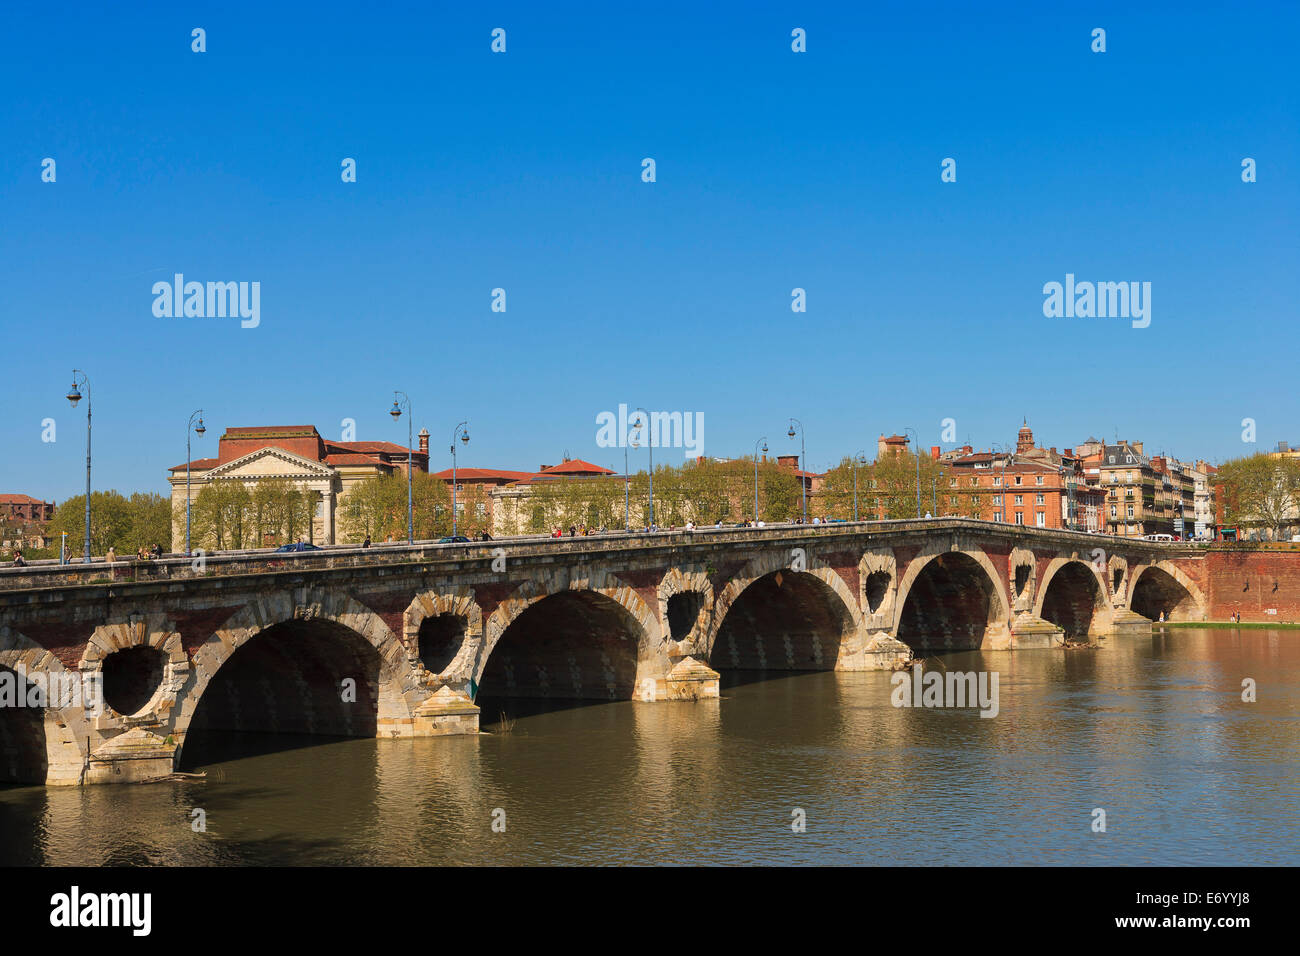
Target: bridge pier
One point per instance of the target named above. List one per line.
(872, 649)
(688, 679)
(1128, 623)
(1029, 631)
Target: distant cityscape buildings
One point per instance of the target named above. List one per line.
(1111, 487)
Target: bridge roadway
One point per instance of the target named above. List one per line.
(398, 641)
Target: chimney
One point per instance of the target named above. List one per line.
(424, 442)
(1137, 447)
(935, 452)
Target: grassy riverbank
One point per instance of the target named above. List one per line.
(1243, 625)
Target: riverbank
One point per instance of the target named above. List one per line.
(1233, 625)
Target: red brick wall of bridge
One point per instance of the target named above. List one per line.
(1252, 582)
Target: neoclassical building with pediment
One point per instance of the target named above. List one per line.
(299, 454)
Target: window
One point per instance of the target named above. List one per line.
(1038, 498)
(1113, 509)
(974, 499)
(1040, 519)
(1019, 479)
(998, 517)
(1128, 459)
(952, 500)
(1128, 476)
(1130, 511)
(1038, 480)
(997, 479)
(1020, 499)
(952, 482)
(997, 499)
(1020, 517)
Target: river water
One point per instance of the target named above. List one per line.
(1151, 730)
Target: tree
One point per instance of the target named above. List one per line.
(124, 524)
(1262, 491)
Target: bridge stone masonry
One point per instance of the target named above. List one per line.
(401, 641)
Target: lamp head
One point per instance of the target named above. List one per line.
(395, 411)
(199, 429)
(790, 433)
(74, 395)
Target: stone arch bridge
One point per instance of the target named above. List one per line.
(400, 641)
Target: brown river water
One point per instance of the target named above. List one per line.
(1151, 730)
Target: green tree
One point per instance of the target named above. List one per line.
(1260, 491)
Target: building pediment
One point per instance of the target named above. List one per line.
(271, 463)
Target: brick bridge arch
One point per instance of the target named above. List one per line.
(1163, 586)
(970, 585)
(1081, 597)
(572, 634)
(358, 641)
(764, 597)
(45, 745)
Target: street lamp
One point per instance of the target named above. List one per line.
(803, 464)
(396, 412)
(1002, 463)
(74, 396)
(859, 459)
(464, 439)
(198, 430)
(764, 442)
(627, 488)
(650, 446)
(916, 447)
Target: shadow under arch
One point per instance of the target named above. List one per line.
(1161, 588)
(295, 683)
(24, 754)
(950, 604)
(574, 646)
(783, 620)
(1075, 600)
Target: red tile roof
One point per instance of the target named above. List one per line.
(20, 500)
(483, 474)
(196, 463)
(349, 459)
(576, 466)
(369, 448)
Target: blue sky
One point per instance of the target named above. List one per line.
(522, 170)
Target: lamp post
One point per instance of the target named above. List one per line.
(74, 396)
(627, 489)
(803, 464)
(763, 441)
(464, 439)
(396, 412)
(1002, 486)
(859, 459)
(198, 430)
(650, 446)
(916, 447)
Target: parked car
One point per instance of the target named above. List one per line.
(296, 546)
(454, 539)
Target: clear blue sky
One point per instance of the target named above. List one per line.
(523, 171)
